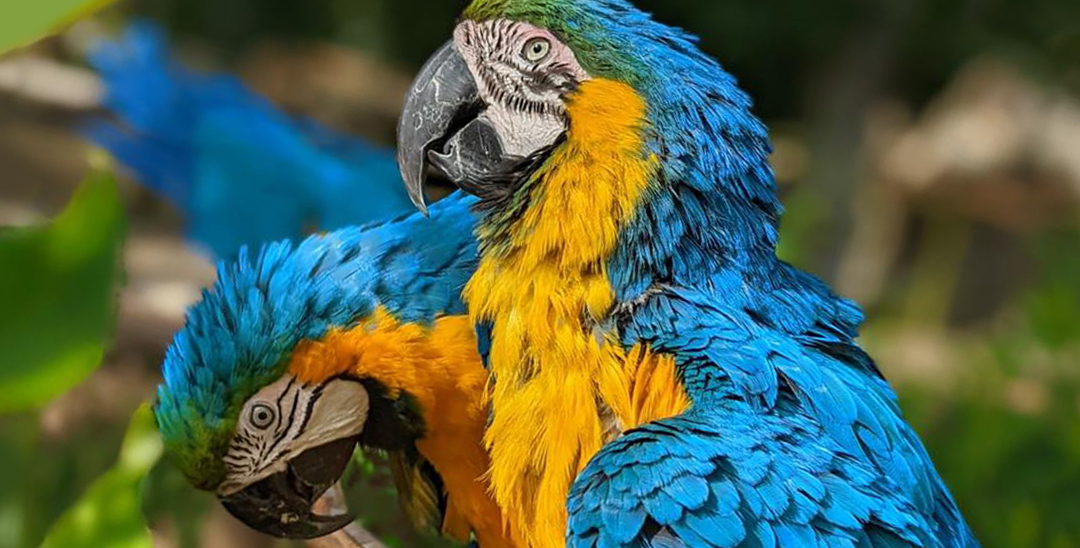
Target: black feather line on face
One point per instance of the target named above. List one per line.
(512, 94)
(510, 203)
(284, 427)
(535, 79)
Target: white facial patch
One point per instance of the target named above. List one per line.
(521, 134)
(523, 74)
(287, 418)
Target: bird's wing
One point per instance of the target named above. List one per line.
(783, 346)
(414, 266)
(728, 477)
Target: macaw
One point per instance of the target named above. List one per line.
(239, 170)
(658, 376)
(301, 352)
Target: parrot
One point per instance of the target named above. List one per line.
(300, 353)
(658, 376)
(239, 170)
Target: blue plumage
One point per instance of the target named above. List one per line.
(239, 170)
(765, 359)
(239, 337)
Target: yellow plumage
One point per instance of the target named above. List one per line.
(544, 294)
(440, 368)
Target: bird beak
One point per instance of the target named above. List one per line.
(281, 505)
(444, 129)
(443, 98)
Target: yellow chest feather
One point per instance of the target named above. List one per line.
(555, 377)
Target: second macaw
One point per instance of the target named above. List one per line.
(659, 377)
(300, 352)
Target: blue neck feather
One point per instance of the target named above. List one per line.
(713, 205)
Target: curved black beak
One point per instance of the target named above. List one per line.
(281, 505)
(444, 96)
(445, 128)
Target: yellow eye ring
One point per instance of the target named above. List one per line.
(536, 49)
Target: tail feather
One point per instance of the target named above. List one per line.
(241, 171)
(158, 164)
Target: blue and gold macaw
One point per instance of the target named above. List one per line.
(239, 170)
(300, 353)
(658, 377)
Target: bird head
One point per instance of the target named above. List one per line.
(264, 395)
(522, 82)
(232, 415)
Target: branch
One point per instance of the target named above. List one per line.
(352, 536)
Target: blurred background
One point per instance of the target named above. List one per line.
(928, 153)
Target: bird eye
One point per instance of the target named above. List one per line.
(536, 50)
(262, 415)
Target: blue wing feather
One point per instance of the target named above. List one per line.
(792, 428)
(811, 492)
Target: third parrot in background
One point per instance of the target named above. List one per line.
(659, 378)
(238, 169)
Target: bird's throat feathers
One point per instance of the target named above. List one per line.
(574, 205)
(559, 378)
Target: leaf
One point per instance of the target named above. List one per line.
(17, 435)
(43, 476)
(24, 22)
(110, 515)
(58, 285)
(168, 497)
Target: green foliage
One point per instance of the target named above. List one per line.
(17, 434)
(41, 476)
(804, 211)
(58, 285)
(168, 497)
(1014, 473)
(108, 515)
(1054, 307)
(1007, 439)
(24, 22)
(371, 496)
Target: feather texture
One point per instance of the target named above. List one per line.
(792, 437)
(242, 334)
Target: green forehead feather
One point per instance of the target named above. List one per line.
(602, 33)
(481, 10)
(196, 450)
